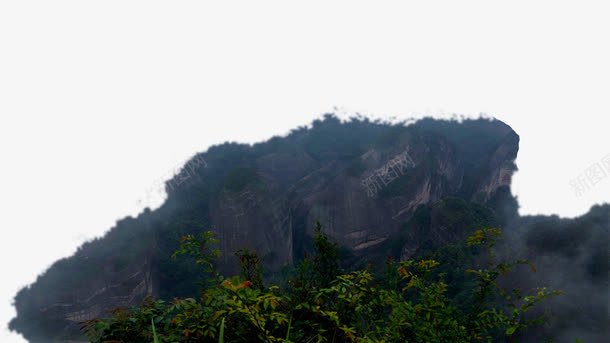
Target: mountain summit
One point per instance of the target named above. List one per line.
(380, 190)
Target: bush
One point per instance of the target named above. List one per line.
(322, 304)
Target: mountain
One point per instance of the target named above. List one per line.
(380, 190)
(570, 255)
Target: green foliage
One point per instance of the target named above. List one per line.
(326, 262)
(199, 247)
(250, 267)
(155, 337)
(327, 152)
(323, 305)
(221, 336)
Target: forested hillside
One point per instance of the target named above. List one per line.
(381, 191)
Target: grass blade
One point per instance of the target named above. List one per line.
(288, 332)
(155, 338)
(221, 336)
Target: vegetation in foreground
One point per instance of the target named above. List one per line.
(412, 302)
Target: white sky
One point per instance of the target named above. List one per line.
(100, 99)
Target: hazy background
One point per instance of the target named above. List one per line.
(99, 101)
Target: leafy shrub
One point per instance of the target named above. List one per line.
(322, 304)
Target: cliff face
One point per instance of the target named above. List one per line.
(364, 199)
(364, 181)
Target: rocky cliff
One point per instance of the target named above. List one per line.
(379, 190)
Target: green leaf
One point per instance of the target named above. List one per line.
(221, 336)
(155, 338)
